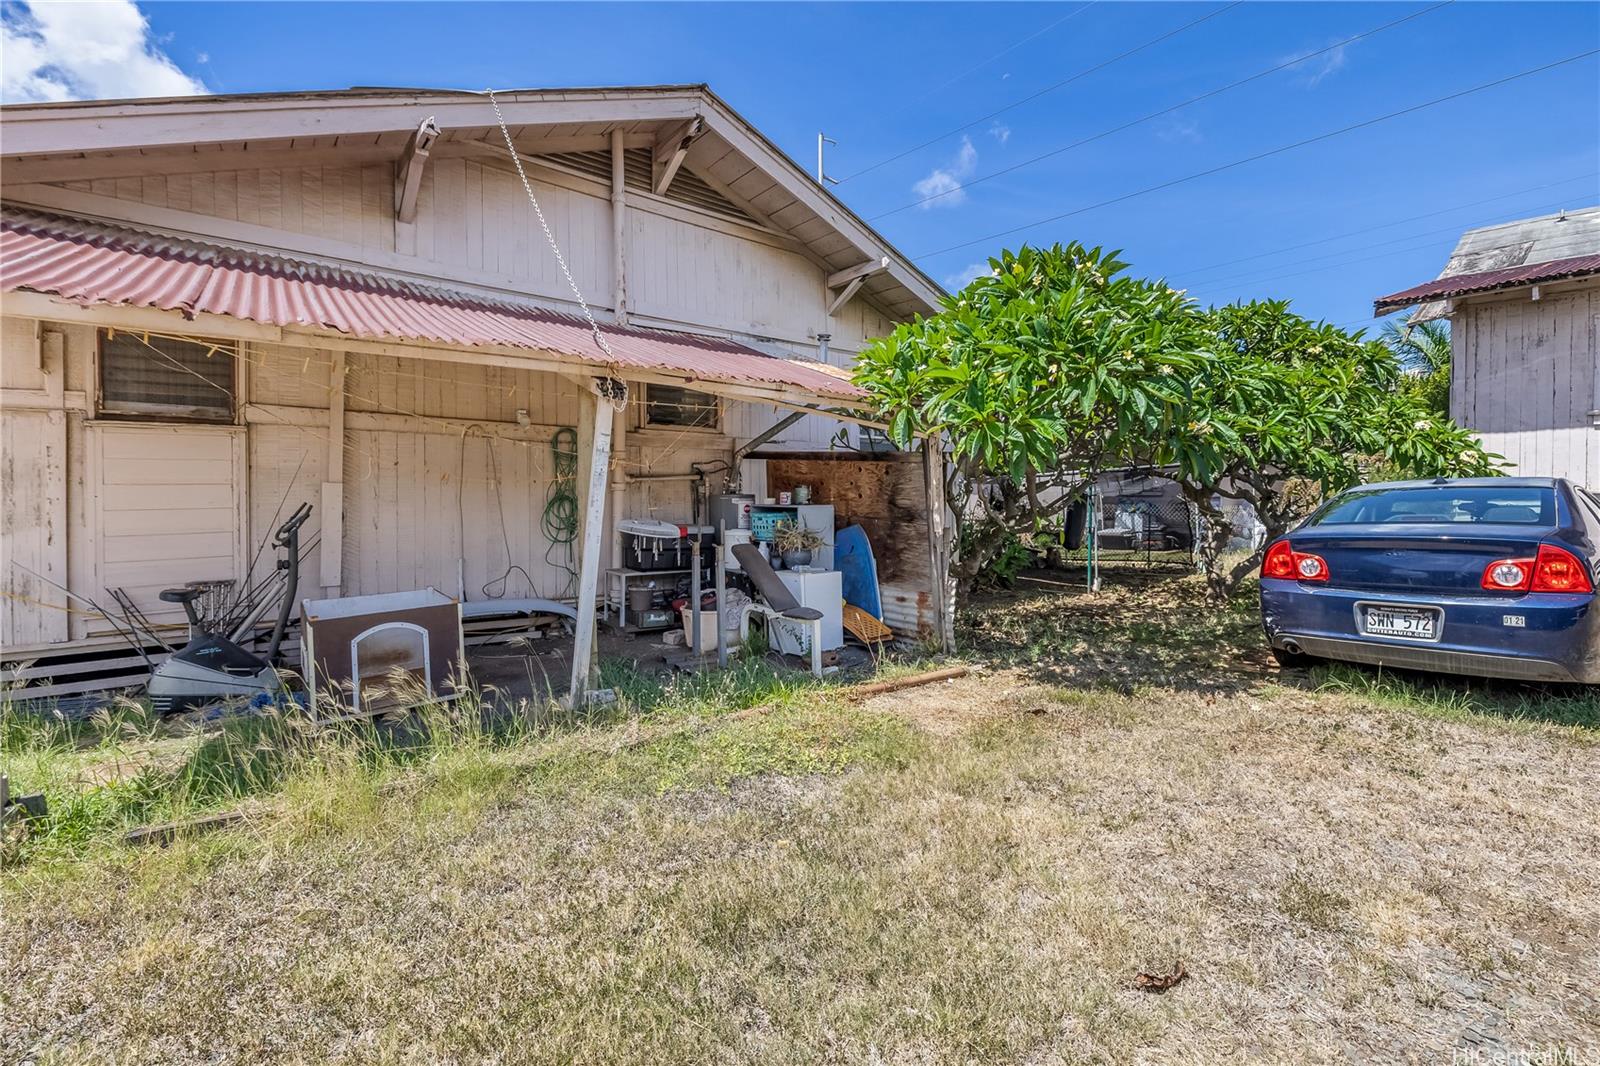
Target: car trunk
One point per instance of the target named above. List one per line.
(1416, 558)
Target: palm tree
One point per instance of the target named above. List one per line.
(1423, 348)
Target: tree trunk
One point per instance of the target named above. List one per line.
(1215, 532)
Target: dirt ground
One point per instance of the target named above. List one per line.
(1344, 867)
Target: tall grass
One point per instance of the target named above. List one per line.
(126, 767)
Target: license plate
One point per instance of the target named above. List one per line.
(1407, 623)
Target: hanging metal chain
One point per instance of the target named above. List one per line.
(527, 186)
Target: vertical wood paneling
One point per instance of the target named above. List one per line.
(33, 525)
(1525, 379)
(169, 509)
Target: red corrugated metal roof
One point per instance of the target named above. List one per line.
(1488, 281)
(92, 262)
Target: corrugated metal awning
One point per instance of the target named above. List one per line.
(96, 263)
(1488, 281)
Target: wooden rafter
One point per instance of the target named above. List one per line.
(408, 174)
(852, 278)
(671, 149)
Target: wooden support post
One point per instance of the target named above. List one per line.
(619, 480)
(619, 228)
(332, 519)
(607, 396)
(939, 569)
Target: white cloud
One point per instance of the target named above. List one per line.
(1000, 133)
(942, 188)
(963, 277)
(97, 51)
(1177, 130)
(1311, 71)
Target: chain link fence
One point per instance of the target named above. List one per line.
(1148, 529)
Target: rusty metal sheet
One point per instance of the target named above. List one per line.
(97, 263)
(1488, 281)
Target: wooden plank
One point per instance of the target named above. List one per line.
(113, 127)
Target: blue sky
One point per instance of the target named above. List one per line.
(882, 78)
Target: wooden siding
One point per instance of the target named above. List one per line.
(168, 509)
(33, 523)
(1525, 381)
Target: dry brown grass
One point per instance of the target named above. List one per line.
(1346, 878)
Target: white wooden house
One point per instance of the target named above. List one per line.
(214, 305)
(1523, 300)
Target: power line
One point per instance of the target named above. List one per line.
(1393, 222)
(1267, 154)
(1360, 255)
(1047, 89)
(1005, 51)
(1296, 61)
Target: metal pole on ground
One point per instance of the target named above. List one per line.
(694, 597)
(722, 588)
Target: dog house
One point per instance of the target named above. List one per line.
(375, 653)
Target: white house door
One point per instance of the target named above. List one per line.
(168, 509)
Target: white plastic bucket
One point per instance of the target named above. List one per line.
(708, 631)
(730, 539)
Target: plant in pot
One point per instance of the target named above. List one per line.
(795, 543)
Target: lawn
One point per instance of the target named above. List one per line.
(1347, 867)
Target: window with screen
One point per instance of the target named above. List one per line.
(155, 377)
(671, 405)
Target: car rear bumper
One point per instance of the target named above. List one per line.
(1558, 641)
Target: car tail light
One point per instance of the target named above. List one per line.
(1558, 570)
(1283, 561)
(1553, 570)
(1508, 575)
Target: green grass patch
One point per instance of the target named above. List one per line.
(1482, 702)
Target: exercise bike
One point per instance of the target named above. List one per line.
(213, 666)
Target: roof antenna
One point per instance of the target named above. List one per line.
(822, 177)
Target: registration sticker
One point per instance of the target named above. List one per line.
(1515, 621)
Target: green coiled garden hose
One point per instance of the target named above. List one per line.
(560, 519)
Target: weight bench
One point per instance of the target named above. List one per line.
(780, 602)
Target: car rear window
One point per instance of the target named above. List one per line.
(1512, 505)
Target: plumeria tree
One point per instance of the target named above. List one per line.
(1050, 366)
(1058, 364)
(1290, 412)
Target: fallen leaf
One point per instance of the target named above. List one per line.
(1160, 982)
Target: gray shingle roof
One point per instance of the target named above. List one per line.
(1521, 243)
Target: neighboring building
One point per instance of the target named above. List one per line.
(1523, 300)
(215, 305)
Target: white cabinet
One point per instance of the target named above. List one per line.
(822, 589)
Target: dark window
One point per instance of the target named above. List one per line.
(873, 439)
(1514, 505)
(671, 405)
(154, 377)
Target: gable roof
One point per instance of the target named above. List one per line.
(730, 160)
(1508, 255)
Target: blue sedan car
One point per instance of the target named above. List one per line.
(1493, 577)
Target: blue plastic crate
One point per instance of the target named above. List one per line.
(762, 522)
